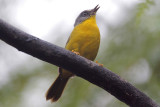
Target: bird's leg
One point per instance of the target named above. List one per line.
(75, 52)
(99, 64)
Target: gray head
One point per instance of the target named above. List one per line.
(85, 15)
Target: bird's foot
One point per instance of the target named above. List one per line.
(75, 52)
(99, 64)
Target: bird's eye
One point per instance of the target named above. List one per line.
(84, 14)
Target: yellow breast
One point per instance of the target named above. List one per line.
(85, 39)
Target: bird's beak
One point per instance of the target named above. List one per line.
(94, 10)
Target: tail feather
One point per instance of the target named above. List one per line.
(56, 89)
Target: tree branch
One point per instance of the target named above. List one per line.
(78, 65)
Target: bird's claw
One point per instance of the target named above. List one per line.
(99, 64)
(76, 52)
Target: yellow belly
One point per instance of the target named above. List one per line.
(85, 39)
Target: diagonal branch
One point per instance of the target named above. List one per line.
(80, 66)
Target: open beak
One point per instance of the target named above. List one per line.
(94, 10)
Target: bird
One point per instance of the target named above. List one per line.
(84, 40)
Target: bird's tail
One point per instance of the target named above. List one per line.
(56, 89)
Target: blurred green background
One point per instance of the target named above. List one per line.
(130, 47)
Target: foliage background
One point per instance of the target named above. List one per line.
(130, 48)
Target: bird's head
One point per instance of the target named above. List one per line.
(86, 14)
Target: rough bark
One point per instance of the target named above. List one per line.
(78, 65)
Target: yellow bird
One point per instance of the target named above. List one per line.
(84, 40)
